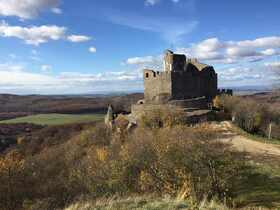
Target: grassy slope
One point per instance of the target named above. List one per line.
(261, 188)
(56, 119)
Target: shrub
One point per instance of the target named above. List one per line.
(248, 114)
(176, 160)
(162, 118)
(12, 179)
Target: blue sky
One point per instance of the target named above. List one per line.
(88, 46)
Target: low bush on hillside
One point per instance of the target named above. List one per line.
(250, 115)
(163, 117)
(179, 161)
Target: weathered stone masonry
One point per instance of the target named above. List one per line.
(181, 79)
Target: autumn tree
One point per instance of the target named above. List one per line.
(12, 181)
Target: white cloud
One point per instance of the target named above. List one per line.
(241, 52)
(270, 52)
(239, 74)
(215, 51)
(275, 67)
(34, 35)
(46, 68)
(26, 9)
(16, 79)
(78, 38)
(236, 58)
(219, 51)
(92, 50)
(151, 2)
(57, 10)
(264, 42)
(148, 62)
(141, 60)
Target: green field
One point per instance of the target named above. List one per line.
(56, 119)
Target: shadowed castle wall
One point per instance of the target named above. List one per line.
(192, 84)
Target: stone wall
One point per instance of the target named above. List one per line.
(194, 103)
(181, 79)
(160, 87)
(142, 110)
(191, 84)
(157, 86)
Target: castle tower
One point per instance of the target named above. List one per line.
(174, 62)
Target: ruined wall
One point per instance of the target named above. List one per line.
(192, 84)
(139, 111)
(181, 79)
(157, 86)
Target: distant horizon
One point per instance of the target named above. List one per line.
(110, 93)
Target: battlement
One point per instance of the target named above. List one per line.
(151, 74)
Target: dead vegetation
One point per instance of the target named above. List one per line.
(176, 160)
(251, 116)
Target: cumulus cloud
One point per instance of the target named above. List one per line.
(236, 58)
(27, 9)
(78, 38)
(239, 73)
(149, 62)
(92, 50)
(243, 75)
(214, 49)
(36, 35)
(274, 67)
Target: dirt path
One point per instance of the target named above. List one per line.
(242, 143)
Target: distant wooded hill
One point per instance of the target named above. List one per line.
(12, 106)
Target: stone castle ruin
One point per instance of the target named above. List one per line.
(181, 79)
(184, 84)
